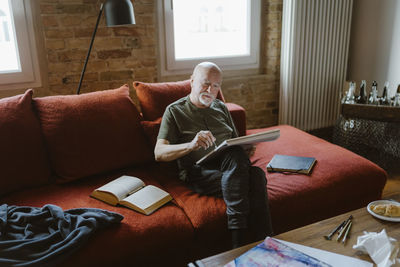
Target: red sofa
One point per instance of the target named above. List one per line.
(58, 149)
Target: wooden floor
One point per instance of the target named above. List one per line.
(392, 188)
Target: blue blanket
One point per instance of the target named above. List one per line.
(31, 236)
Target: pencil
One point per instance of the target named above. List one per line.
(347, 232)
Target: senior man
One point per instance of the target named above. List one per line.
(191, 127)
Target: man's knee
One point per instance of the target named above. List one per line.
(237, 155)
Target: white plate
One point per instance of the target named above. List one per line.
(391, 219)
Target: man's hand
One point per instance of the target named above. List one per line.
(203, 139)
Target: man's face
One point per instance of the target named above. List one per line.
(205, 86)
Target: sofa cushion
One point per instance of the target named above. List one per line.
(151, 129)
(340, 181)
(166, 233)
(22, 154)
(92, 133)
(155, 97)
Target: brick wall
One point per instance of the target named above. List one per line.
(125, 54)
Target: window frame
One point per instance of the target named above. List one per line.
(170, 66)
(27, 49)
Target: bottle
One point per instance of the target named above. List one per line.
(385, 99)
(350, 93)
(373, 98)
(396, 101)
(362, 98)
(396, 98)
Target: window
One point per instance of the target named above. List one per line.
(226, 32)
(19, 62)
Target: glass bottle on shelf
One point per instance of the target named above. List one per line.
(396, 101)
(385, 99)
(350, 93)
(362, 98)
(396, 98)
(373, 98)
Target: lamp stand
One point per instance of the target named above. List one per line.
(90, 49)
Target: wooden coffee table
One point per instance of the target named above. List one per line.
(313, 235)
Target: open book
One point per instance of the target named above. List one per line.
(131, 192)
(242, 141)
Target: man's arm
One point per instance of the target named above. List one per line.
(164, 151)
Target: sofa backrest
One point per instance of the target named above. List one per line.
(155, 97)
(23, 158)
(92, 133)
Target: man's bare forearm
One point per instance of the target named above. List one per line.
(166, 152)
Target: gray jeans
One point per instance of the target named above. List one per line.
(242, 186)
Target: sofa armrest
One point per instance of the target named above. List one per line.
(238, 114)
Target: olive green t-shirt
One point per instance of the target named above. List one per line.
(182, 121)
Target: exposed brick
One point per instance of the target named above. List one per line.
(115, 75)
(49, 21)
(87, 32)
(77, 43)
(128, 31)
(73, 55)
(133, 43)
(145, 20)
(103, 43)
(63, 67)
(49, 9)
(55, 44)
(145, 8)
(89, 21)
(271, 104)
(51, 34)
(97, 66)
(71, 20)
(143, 72)
(116, 53)
(75, 9)
(74, 78)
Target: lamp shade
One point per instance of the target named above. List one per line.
(119, 12)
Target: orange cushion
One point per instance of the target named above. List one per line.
(22, 153)
(151, 129)
(92, 133)
(155, 97)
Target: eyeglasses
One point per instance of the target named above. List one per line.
(214, 86)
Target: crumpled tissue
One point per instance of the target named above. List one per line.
(382, 249)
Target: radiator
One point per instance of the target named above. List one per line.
(314, 52)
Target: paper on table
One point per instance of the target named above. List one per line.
(333, 259)
(379, 246)
(276, 252)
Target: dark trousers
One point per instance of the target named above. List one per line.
(242, 186)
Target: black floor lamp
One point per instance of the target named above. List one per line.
(118, 12)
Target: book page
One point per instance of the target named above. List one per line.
(146, 197)
(122, 186)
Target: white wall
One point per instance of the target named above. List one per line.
(375, 43)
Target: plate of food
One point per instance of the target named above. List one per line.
(387, 210)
